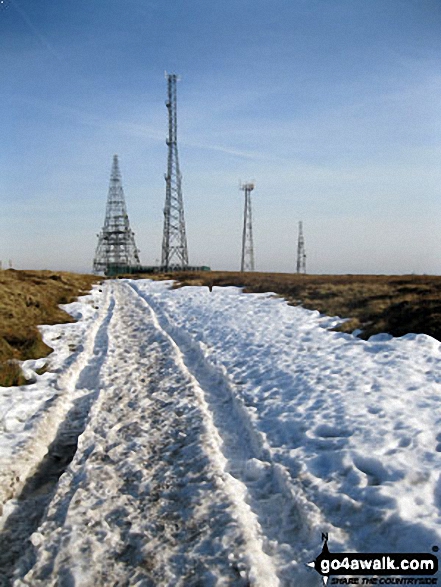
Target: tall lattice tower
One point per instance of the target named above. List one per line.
(174, 242)
(247, 262)
(116, 248)
(301, 254)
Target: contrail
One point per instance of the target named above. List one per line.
(33, 28)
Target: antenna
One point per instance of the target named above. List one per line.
(301, 254)
(247, 261)
(174, 240)
(116, 250)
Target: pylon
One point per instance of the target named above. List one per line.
(174, 242)
(247, 262)
(301, 254)
(116, 248)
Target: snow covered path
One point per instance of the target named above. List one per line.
(219, 435)
(144, 500)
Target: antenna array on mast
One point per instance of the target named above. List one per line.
(174, 242)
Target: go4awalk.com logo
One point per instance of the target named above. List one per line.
(375, 568)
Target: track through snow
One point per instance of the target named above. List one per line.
(271, 517)
(167, 487)
(219, 434)
(259, 488)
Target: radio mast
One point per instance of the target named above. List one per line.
(301, 254)
(174, 242)
(247, 262)
(116, 242)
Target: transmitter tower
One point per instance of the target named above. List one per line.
(301, 254)
(247, 262)
(116, 250)
(174, 240)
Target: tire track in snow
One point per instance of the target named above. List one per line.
(56, 443)
(261, 489)
(143, 502)
(261, 571)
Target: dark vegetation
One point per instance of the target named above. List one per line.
(372, 303)
(29, 298)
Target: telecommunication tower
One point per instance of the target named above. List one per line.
(247, 262)
(301, 254)
(174, 241)
(116, 241)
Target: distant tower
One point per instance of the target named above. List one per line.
(247, 262)
(174, 241)
(116, 242)
(301, 255)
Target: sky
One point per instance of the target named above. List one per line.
(332, 107)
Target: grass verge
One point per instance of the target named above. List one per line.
(29, 298)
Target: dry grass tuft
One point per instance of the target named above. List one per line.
(29, 298)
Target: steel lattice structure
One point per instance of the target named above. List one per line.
(116, 248)
(301, 254)
(247, 262)
(174, 243)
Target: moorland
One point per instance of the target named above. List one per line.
(371, 304)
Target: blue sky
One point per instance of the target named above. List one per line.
(332, 106)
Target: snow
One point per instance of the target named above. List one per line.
(31, 414)
(220, 434)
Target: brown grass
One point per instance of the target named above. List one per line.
(29, 298)
(373, 303)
